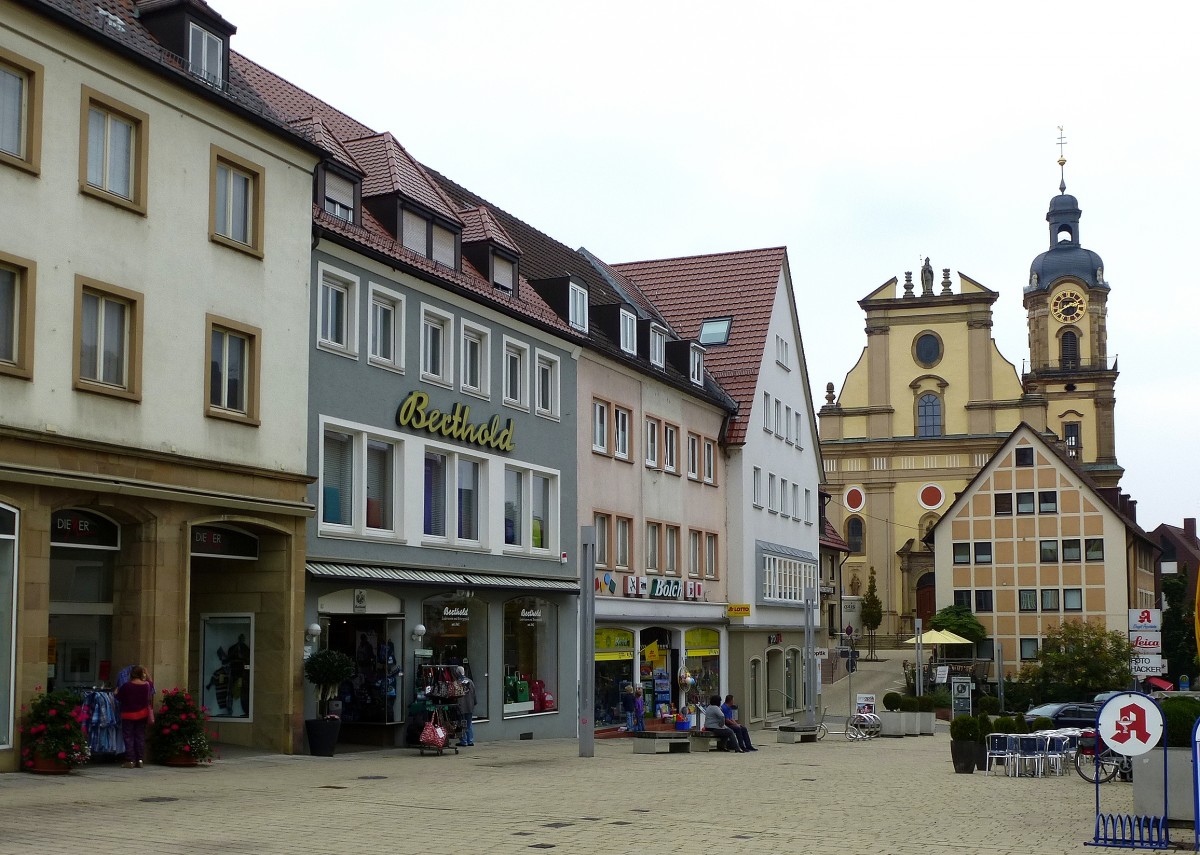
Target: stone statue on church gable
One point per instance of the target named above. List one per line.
(926, 277)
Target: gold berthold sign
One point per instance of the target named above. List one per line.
(415, 413)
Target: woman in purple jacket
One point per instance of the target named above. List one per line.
(135, 698)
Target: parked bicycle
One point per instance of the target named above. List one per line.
(1097, 763)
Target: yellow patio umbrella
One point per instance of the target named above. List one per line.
(939, 636)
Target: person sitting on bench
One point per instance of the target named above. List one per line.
(714, 723)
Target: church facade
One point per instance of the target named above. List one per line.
(931, 399)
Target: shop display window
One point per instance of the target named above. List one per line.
(84, 548)
(8, 594)
(226, 665)
(530, 656)
(375, 643)
(703, 661)
(456, 633)
(614, 671)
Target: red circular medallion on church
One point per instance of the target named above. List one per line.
(931, 497)
(855, 499)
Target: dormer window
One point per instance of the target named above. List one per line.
(339, 196)
(628, 332)
(715, 331)
(444, 246)
(425, 237)
(579, 308)
(504, 273)
(658, 347)
(205, 55)
(696, 372)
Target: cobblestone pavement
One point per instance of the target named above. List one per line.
(885, 796)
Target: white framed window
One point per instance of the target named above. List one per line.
(693, 456)
(437, 353)
(469, 494)
(621, 419)
(652, 429)
(514, 501)
(628, 332)
(337, 312)
(503, 273)
(385, 332)
(602, 523)
(710, 462)
(658, 346)
(360, 471)
(236, 206)
(799, 430)
(516, 373)
(339, 196)
(108, 340)
(782, 352)
(779, 428)
(653, 531)
(578, 307)
(621, 555)
(768, 418)
(772, 504)
(110, 151)
(474, 359)
(710, 556)
(547, 385)
(205, 55)
(787, 579)
(808, 517)
(694, 552)
(436, 484)
(600, 427)
(531, 511)
(757, 487)
(696, 371)
(785, 498)
(671, 550)
(787, 424)
(670, 448)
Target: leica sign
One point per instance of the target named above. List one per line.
(1146, 642)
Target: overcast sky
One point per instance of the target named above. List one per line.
(863, 136)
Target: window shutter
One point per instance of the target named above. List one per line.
(468, 506)
(443, 246)
(337, 479)
(502, 272)
(379, 484)
(512, 508)
(416, 233)
(435, 494)
(339, 189)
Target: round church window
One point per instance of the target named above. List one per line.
(928, 349)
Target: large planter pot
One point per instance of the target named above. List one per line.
(962, 754)
(1148, 784)
(322, 735)
(181, 759)
(927, 721)
(48, 766)
(981, 756)
(891, 724)
(912, 723)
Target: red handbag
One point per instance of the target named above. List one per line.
(433, 735)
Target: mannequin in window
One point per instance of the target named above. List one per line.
(239, 672)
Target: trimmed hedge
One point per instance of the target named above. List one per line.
(989, 704)
(891, 701)
(1180, 715)
(908, 703)
(964, 728)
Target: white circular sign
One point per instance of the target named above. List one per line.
(1130, 723)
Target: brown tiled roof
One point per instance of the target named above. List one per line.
(292, 102)
(830, 537)
(391, 169)
(315, 130)
(630, 288)
(480, 225)
(200, 5)
(741, 285)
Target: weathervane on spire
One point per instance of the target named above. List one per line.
(1062, 161)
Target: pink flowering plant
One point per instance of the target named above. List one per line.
(180, 728)
(55, 728)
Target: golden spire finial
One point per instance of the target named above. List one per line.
(1062, 161)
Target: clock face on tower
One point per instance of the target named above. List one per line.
(1067, 306)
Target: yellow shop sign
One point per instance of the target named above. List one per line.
(415, 413)
(737, 610)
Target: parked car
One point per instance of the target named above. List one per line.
(1065, 715)
(1104, 696)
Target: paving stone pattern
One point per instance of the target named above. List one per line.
(886, 796)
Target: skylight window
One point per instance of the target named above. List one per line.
(715, 331)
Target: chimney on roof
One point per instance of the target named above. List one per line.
(1189, 528)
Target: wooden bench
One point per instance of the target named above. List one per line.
(792, 733)
(661, 742)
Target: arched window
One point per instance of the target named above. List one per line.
(1068, 349)
(855, 537)
(929, 415)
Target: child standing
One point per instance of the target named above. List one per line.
(629, 707)
(639, 706)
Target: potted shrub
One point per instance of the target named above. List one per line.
(891, 721)
(53, 740)
(1180, 715)
(962, 743)
(1004, 724)
(1041, 723)
(983, 727)
(989, 704)
(326, 670)
(912, 718)
(925, 714)
(941, 703)
(179, 735)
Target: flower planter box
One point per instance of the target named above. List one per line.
(912, 723)
(891, 724)
(1148, 784)
(927, 723)
(47, 766)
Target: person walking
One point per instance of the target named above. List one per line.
(466, 708)
(135, 699)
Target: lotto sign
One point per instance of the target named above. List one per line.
(1145, 620)
(1130, 723)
